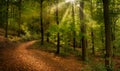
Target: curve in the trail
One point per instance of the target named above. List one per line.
(23, 59)
(30, 62)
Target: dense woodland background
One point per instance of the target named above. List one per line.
(86, 29)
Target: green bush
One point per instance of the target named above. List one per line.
(98, 67)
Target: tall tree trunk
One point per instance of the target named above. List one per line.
(74, 33)
(48, 33)
(7, 11)
(92, 36)
(19, 31)
(83, 30)
(41, 23)
(108, 46)
(114, 19)
(58, 34)
(92, 32)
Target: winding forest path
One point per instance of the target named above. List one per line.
(21, 58)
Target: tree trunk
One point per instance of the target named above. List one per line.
(58, 34)
(93, 48)
(83, 30)
(92, 33)
(7, 11)
(74, 33)
(48, 33)
(19, 31)
(108, 46)
(41, 23)
(114, 19)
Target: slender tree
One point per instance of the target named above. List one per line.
(114, 18)
(7, 11)
(19, 7)
(48, 33)
(58, 34)
(41, 22)
(108, 46)
(2, 12)
(73, 18)
(92, 32)
(83, 30)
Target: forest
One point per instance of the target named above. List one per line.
(59, 35)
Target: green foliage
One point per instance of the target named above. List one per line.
(98, 67)
(64, 53)
(53, 28)
(118, 69)
(28, 37)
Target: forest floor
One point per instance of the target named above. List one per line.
(20, 58)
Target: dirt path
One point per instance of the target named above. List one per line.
(21, 58)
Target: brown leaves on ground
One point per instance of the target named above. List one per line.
(5, 43)
(22, 59)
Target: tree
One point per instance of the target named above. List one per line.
(58, 34)
(41, 22)
(83, 30)
(73, 22)
(19, 7)
(48, 33)
(3, 13)
(92, 32)
(108, 46)
(114, 13)
(7, 11)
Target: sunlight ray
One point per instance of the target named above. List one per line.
(59, 5)
(65, 15)
(72, 1)
(85, 13)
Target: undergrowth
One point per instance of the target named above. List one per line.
(50, 47)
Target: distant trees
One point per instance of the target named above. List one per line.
(114, 13)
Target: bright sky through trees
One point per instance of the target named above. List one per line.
(69, 1)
